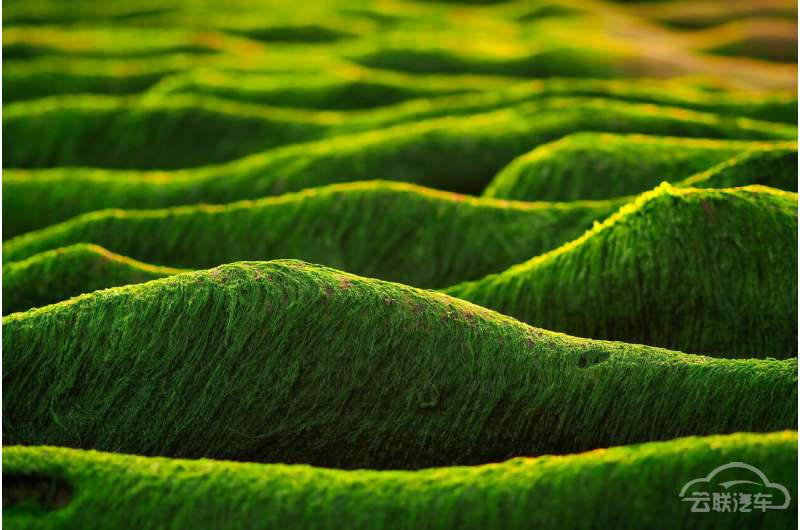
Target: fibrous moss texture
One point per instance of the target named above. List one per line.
(660, 271)
(397, 238)
(177, 131)
(599, 166)
(59, 274)
(459, 154)
(703, 271)
(624, 487)
(389, 230)
(285, 361)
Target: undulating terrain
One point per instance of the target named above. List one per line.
(399, 264)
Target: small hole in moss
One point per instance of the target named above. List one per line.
(50, 493)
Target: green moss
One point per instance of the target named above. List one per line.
(623, 487)
(459, 154)
(169, 132)
(353, 88)
(775, 168)
(285, 361)
(20, 42)
(164, 133)
(558, 61)
(31, 79)
(53, 13)
(599, 166)
(387, 230)
(366, 88)
(59, 274)
(349, 89)
(23, 82)
(362, 227)
(704, 271)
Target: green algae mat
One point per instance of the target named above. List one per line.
(400, 264)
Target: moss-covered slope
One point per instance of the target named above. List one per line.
(365, 88)
(170, 132)
(165, 133)
(704, 271)
(398, 96)
(285, 361)
(629, 487)
(602, 165)
(458, 154)
(774, 167)
(59, 274)
(388, 230)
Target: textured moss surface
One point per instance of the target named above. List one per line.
(397, 95)
(774, 167)
(623, 487)
(601, 165)
(414, 222)
(705, 271)
(169, 132)
(388, 230)
(453, 153)
(366, 88)
(487, 149)
(56, 275)
(285, 361)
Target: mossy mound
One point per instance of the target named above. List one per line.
(285, 361)
(602, 165)
(774, 167)
(387, 230)
(30, 80)
(62, 273)
(181, 131)
(31, 42)
(703, 271)
(459, 154)
(624, 487)
(453, 95)
(398, 96)
(345, 90)
(164, 133)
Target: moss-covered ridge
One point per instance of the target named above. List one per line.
(775, 167)
(162, 133)
(454, 153)
(389, 230)
(623, 487)
(59, 274)
(484, 45)
(704, 271)
(285, 361)
(28, 80)
(179, 131)
(404, 97)
(441, 236)
(603, 165)
(365, 88)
